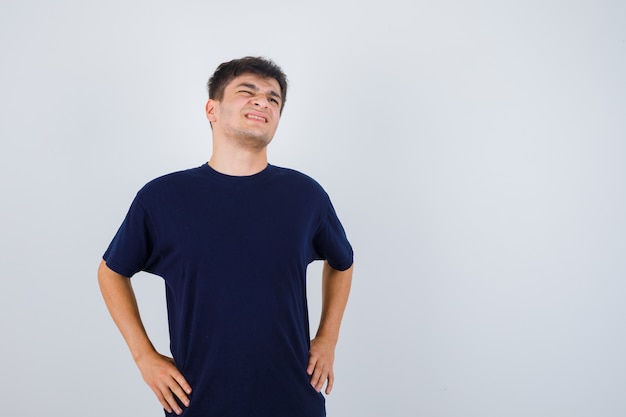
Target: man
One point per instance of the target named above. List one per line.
(232, 240)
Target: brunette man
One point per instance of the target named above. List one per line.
(232, 239)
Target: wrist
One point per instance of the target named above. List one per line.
(328, 337)
(141, 353)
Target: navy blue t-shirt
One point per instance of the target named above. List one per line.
(233, 253)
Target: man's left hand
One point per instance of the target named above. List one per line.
(320, 368)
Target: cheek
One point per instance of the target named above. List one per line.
(224, 113)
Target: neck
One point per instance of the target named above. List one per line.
(238, 162)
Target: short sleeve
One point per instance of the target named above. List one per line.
(330, 241)
(131, 249)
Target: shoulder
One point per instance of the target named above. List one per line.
(173, 182)
(297, 179)
(296, 189)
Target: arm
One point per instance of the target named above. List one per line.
(335, 291)
(159, 372)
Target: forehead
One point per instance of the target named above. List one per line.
(262, 83)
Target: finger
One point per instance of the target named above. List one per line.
(331, 382)
(182, 382)
(318, 377)
(171, 402)
(311, 367)
(315, 379)
(320, 383)
(162, 400)
(178, 392)
(180, 387)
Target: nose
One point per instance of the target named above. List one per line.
(260, 101)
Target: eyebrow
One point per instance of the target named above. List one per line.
(255, 88)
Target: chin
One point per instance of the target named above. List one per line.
(249, 138)
(254, 141)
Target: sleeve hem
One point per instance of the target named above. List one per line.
(118, 269)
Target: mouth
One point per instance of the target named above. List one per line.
(256, 117)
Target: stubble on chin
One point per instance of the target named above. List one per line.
(249, 140)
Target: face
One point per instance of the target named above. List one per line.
(248, 112)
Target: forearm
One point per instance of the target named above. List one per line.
(159, 372)
(120, 300)
(335, 291)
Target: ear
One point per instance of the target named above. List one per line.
(210, 110)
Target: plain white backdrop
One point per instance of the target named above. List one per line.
(474, 150)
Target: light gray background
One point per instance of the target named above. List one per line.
(473, 149)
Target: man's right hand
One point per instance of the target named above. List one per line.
(165, 380)
(159, 372)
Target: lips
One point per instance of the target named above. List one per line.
(256, 116)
